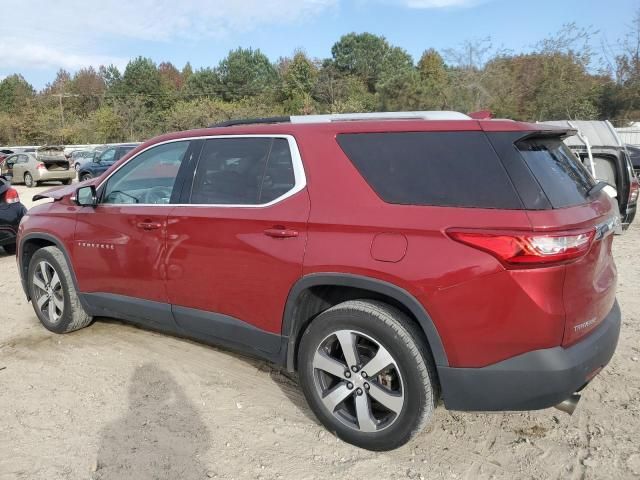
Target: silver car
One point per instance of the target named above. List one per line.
(44, 165)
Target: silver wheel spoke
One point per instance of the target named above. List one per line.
(57, 301)
(43, 271)
(348, 344)
(390, 400)
(41, 301)
(55, 280)
(324, 362)
(52, 311)
(38, 283)
(366, 422)
(336, 396)
(382, 360)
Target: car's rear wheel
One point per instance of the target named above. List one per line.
(28, 180)
(68, 181)
(10, 249)
(85, 176)
(53, 294)
(77, 167)
(367, 374)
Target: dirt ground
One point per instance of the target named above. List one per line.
(113, 401)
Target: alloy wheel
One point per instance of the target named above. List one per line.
(358, 381)
(48, 293)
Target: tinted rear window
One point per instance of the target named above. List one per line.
(561, 175)
(453, 169)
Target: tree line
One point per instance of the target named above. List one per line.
(559, 78)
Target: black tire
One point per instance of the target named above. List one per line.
(73, 316)
(28, 181)
(68, 181)
(85, 176)
(10, 249)
(394, 331)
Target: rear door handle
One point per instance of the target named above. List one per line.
(280, 232)
(148, 225)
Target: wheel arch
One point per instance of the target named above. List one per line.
(32, 242)
(303, 305)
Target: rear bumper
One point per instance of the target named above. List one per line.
(533, 380)
(56, 175)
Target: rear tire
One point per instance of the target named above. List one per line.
(68, 181)
(380, 409)
(10, 249)
(53, 294)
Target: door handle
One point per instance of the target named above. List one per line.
(149, 225)
(280, 232)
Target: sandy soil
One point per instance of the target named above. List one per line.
(112, 401)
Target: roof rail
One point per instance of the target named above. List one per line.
(250, 121)
(349, 117)
(352, 117)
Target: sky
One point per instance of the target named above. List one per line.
(39, 37)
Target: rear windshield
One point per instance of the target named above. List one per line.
(452, 169)
(561, 175)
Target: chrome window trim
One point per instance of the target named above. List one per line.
(298, 173)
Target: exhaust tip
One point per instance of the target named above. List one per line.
(569, 405)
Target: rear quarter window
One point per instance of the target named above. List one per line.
(562, 176)
(451, 169)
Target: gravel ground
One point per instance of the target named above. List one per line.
(113, 401)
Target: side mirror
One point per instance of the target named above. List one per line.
(87, 196)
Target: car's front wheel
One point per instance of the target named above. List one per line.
(53, 294)
(85, 176)
(367, 374)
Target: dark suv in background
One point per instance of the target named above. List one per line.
(103, 159)
(392, 260)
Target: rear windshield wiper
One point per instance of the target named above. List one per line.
(596, 188)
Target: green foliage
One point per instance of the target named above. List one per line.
(15, 93)
(555, 80)
(246, 73)
(370, 58)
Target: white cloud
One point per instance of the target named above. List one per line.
(439, 3)
(76, 33)
(72, 33)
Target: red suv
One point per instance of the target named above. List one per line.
(392, 260)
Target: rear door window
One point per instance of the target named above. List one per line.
(452, 169)
(243, 171)
(561, 175)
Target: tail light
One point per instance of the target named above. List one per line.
(633, 191)
(527, 250)
(11, 196)
(40, 166)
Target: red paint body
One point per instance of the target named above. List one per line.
(220, 259)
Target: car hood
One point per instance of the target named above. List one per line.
(60, 192)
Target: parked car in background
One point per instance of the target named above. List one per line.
(4, 153)
(391, 259)
(79, 158)
(103, 159)
(47, 164)
(11, 212)
(634, 155)
(598, 146)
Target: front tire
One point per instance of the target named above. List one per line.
(367, 374)
(28, 180)
(53, 294)
(85, 177)
(68, 181)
